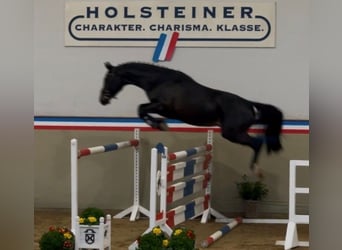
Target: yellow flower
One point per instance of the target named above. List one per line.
(81, 220)
(68, 236)
(157, 231)
(165, 243)
(92, 219)
(177, 231)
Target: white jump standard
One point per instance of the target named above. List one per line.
(291, 238)
(135, 209)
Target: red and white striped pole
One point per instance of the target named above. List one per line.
(223, 231)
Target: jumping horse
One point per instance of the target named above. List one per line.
(175, 95)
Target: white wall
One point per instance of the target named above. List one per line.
(68, 79)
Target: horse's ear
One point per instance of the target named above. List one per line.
(108, 66)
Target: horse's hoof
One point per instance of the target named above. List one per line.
(258, 172)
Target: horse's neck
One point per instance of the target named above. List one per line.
(140, 78)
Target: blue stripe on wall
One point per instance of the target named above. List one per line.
(130, 119)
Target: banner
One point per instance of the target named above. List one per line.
(199, 23)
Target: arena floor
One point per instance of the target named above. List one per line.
(124, 232)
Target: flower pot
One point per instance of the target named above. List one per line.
(94, 236)
(251, 208)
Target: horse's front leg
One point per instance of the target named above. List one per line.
(146, 109)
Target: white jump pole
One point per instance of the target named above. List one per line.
(74, 184)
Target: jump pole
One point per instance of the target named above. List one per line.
(223, 231)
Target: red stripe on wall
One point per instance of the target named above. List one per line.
(98, 128)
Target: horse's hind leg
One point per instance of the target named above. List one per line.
(257, 142)
(144, 111)
(243, 138)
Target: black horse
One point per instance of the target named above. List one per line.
(175, 95)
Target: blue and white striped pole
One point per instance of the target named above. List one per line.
(223, 231)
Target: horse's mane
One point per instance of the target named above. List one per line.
(151, 69)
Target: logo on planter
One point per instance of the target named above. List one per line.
(89, 236)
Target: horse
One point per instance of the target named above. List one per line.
(175, 95)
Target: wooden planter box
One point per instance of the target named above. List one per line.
(93, 236)
(251, 208)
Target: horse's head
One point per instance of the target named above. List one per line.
(111, 86)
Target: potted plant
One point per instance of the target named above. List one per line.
(57, 238)
(91, 216)
(154, 240)
(251, 192)
(181, 239)
(93, 229)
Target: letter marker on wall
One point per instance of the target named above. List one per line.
(165, 47)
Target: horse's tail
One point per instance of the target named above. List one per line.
(272, 117)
